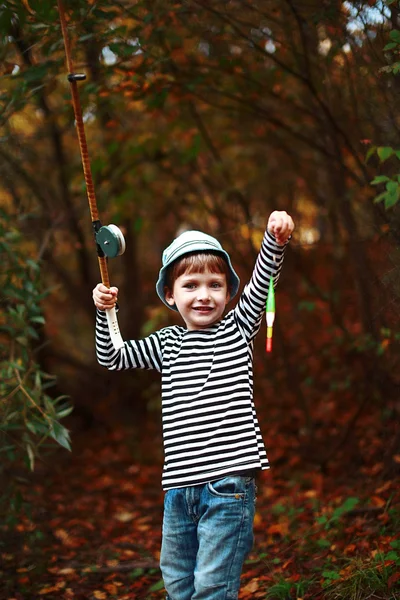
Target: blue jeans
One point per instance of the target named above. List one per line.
(207, 534)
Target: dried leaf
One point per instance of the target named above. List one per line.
(251, 587)
(124, 517)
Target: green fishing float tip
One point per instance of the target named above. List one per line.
(270, 314)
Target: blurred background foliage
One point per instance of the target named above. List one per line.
(209, 115)
(29, 416)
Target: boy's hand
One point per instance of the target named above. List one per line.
(105, 298)
(281, 225)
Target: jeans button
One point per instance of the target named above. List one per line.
(237, 496)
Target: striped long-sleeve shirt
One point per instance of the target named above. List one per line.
(210, 426)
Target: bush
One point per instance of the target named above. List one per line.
(29, 417)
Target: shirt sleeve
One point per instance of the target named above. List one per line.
(251, 306)
(135, 354)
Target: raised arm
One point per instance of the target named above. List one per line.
(251, 306)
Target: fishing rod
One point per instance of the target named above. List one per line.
(109, 239)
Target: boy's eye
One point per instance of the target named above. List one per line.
(216, 285)
(189, 286)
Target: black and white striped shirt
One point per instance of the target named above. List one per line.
(210, 426)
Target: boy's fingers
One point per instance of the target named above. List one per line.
(276, 220)
(105, 290)
(101, 289)
(277, 224)
(281, 225)
(104, 298)
(278, 228)
(104, 305)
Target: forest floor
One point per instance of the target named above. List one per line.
(90, 528)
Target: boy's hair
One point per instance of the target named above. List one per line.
(197, 262)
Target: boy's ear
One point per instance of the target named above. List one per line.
(169, 297)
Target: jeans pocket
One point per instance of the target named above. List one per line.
(232, 486)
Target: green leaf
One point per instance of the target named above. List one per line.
(392, 555)
(31, 457)
(11, 416)
(347, 505)
(37, 427)
(384, 152)
(370, 152)
(322, 520)
(380, 179)
(392, 187)
(38, 380)
(157, 586)
(323, 543)
(380, 197)
(64, 412)
(390, 46)
(395, 35)
(32, 333)
(138, 572)
(332, 575)
(86, 37)
(38, 319)
(33, 264)
(60, 434)
(392, 199)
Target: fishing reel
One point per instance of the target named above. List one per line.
(111, 240)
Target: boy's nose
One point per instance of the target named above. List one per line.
(203, 294)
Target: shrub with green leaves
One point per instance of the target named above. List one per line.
(390, 195)
(29, 416)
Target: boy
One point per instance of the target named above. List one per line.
(212, 441)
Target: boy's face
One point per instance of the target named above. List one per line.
(200, 298)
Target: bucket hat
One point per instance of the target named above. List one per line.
(187, 243)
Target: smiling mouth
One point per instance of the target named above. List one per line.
(203, 308)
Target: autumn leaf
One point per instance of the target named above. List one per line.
(251, 587)
(124, 517)
(281, 528)
(393, 579)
